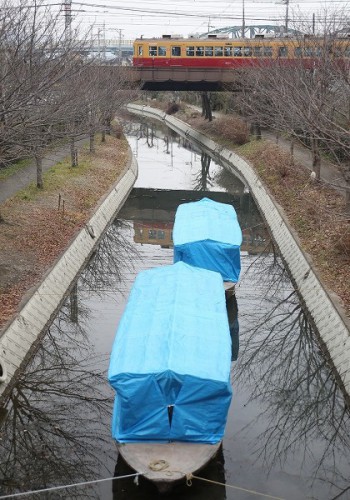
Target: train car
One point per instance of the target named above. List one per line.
(222, 52)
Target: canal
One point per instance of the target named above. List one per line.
(287, 433)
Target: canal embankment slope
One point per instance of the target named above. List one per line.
(46, 238)
(326, 309)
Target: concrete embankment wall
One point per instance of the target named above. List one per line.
(329, 320)
(18, 341)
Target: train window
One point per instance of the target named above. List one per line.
(247, 51)
(298, 52)
(152, 50)
(139, 50)
(219, 51)
(268, 51)
(257, 51)
(228, 51)
(209, 51)
(152, 234)
(199, 51)
(162, 51)
(337, 51)
(282, 51)
(308, 51)
(176, 51)
(237, 51)
(189, 51)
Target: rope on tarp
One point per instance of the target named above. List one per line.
(189, 478)
(55, 488)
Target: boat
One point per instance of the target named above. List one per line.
(170, 368)
(207, 234)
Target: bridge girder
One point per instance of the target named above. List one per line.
(251, 31)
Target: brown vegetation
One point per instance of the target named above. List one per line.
(38, 225)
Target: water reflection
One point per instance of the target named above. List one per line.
(56, 424)
(58, 415)
(303, 410)
(288, 429)
(203, 180)
(115, 255)
(232, 314)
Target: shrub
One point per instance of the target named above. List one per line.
(230, 128)
(172, 108)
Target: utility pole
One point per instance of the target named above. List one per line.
(67, 8)
(286, 2)
(243, 20)
(120, 46)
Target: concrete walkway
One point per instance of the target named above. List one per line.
(330, 172)
(23, 177)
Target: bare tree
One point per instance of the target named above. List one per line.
(308, 99)
(47, 90)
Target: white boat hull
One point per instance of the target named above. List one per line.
(166, 464)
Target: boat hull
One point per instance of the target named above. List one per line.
(167, 464)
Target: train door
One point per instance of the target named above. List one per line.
(175, 55)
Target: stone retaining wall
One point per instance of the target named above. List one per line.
(324, 311)
(18, 341)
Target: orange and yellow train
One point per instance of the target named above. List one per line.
(216, 52)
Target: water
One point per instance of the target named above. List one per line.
(287, 433)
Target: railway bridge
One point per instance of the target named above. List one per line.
(186, 78)
(175, 78)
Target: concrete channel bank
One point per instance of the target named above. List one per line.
(330, 322)
(19, 340)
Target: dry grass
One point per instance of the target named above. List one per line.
(231, 129)
(36, 227)
(317, 214)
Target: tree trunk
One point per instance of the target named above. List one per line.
(255, 130)
(103, 135)
(347, 192)
(92, 141)
(347, 200)
(39, 171)
(206, 108)
(316, 158)
(258, 131)
(292, 142)
(73, 153)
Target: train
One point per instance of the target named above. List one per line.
(221, 52)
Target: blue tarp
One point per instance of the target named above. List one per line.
(170, 361)
(207, 234)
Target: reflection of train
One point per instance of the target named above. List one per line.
(228, 53)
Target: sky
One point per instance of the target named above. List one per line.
(152, 18)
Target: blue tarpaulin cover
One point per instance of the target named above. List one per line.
(170, 361)
(207, 234)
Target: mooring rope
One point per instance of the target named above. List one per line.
(189, 478)
(157, 463)
(55, 488)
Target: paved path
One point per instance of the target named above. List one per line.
(330, 173)
(21, 179)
